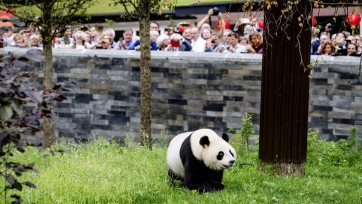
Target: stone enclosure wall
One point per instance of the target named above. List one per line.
(189, 91)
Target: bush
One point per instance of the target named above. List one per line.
(17, 119)
(330, 153)
(240, 140)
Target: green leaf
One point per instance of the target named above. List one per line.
(6, 112)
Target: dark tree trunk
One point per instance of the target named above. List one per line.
(49, 136)
(144, 20)
(285, 90)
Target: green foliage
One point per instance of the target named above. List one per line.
(353, 137)
(105, 172)
(241, 138)
(329, 154)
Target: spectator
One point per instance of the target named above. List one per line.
(359, 43)
(137, 44)
(256, 41)
(186, 41)
(234, 46)
(202, 23)
(56, 42)
(198, 43)
(128, 40)
(169, 31)
(315, 42)
(214, 44)
(245, 42)
(104, 42)
(175, 42)
(162, 42)
(346, 34)
(243, 27)
(327, 49)
(18, 41)
(67, 41)
(248, 30)
(79, 40)
(26, 33)
(112, 35)
(352, 50)
(324, 38)
(333, 37)
(154, 35)
(94, 35)
(180, 27)
(8, 37)
(155, 26)
(35, 40)
(206, 33)
(225, 37)
(88, 41)
(351, 39)
(328, 29)
(341, 44)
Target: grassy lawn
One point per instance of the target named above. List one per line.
(103, 172)
(102, 7)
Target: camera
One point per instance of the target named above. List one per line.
(215, 11)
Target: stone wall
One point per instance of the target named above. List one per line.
(189, 91)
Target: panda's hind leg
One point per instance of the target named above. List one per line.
(173, 177)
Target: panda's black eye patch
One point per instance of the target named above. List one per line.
(231, 153)
(220, 155)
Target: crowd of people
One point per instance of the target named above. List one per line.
(245, 37)
(342, 43)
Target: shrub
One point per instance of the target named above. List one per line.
(17, 119)
(240, 140)
(330, 153)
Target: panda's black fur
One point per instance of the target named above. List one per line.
(197, 175)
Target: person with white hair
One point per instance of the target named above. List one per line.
(112, 34)
(162, 42)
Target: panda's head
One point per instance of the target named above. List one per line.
(213, 150)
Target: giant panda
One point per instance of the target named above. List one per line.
(199, 158)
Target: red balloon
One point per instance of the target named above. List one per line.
(353, 19)
(314, 21)
(227, 24)
(261, 24)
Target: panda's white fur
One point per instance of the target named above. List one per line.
(173, 154)
(190, 153)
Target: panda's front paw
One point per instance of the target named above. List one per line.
(218, 186)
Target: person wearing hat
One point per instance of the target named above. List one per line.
(240, 25)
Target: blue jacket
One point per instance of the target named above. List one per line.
(138, 42)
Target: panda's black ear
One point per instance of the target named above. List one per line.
(225, 137)
(204, 141)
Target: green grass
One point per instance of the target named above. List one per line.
(103, 172)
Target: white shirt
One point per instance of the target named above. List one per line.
(198, 45)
